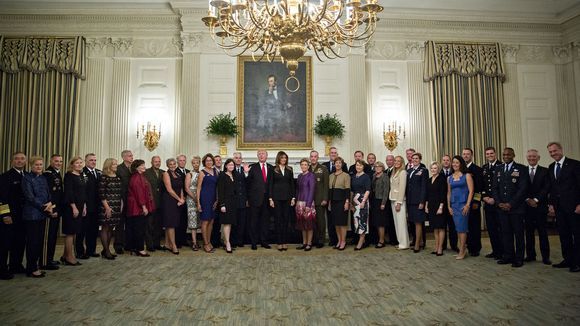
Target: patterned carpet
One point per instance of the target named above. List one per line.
(321, 287)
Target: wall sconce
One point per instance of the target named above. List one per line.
(149, 134)
(392, 134)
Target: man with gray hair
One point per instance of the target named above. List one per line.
(153, 229)
(537, 208)
(124, 173)
(240, 170)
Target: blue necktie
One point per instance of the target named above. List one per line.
(558, 168)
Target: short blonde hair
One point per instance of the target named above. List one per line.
(72, 161)
(437, 164)
(35, 158)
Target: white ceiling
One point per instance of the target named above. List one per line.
(544, 11)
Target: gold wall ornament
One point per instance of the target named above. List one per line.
(150, 134)
(268, 29)
(223, 145)
(392, 134)
(327, 145)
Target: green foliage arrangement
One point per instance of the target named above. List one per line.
(329, 125)
(222, 125)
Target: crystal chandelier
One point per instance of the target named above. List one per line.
(268, 29)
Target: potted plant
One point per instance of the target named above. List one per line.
(329, 127)
(222, 126)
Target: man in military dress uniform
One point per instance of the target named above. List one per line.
(13, 225)
(54, 180)
(491, 214)
(509, 191)
(320, 198)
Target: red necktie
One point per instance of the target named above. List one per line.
(264, 172)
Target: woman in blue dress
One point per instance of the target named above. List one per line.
(207, 199)
(459, 196)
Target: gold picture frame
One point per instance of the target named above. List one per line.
(274, 117)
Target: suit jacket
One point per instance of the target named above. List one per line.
(565, 191)
(416, 191)
(56, 188)
(487, 178)
(398, 186)
(93, 200)
(333, 169)
(321, 176)
(477, 176)
(282, 186)
(156, 182)
(240, 179)
(367, 170)
(11, 192)
(539, 187)
(256, 188)
(124, 173)
(511, 187)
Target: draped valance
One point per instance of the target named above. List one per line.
(39, 55)
(464, 59)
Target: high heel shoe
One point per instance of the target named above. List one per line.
(357, 248)
(208, 249)
(68, 263)
(380, 245)
(308, 248)
(140, 254)
(109, 256)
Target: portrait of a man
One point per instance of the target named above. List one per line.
(270, 114)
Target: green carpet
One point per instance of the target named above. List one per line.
(321, 287)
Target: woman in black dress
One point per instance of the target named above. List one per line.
(227, 198)
(435, 206)
(75, 207)
(172, 201)
(112, 205)
(339, 201)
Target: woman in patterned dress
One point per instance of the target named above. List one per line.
(112, 204)
(191, 200)
(360, 189)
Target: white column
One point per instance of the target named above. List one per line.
(358, 126)
(420, 113)
(119, 128)
(92, 109)
(567, 109)
(187, 125)
(513, 120)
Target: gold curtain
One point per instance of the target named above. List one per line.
(466, 84)
(39, 95)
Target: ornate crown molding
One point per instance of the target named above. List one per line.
(563, 54)
(122, 46)
(191, 42)
(510, 52)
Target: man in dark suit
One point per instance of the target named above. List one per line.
(537, 208)
(510, 186)
(153, 229)
(491, 214)
(332, 154)
(239, 231)
(320, 198)
(54, 179)
(13, 229)
(181, 231)
(124, 173)
(257, 182)
(564, 201)
(359, 156)
(86, 241)
(446, 171)
(474, 221)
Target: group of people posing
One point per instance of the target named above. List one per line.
(130, 206)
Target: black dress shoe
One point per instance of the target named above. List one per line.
(529, 259)
(562, 264)
(254, 247)
(151, 249)
(68, 263)
(266, 246)
(6, 276)
(49, 267)
(517, 264)
(119, 251)
(490, 255)
(54, 263)
(84, 257)
(474, 254)
(301, 247)
(503, 262)
(575, 269)
(319, 245)
(17, 270)
(240, 245)
(95, 255)
(433, 252)
(547, 262)
(439, 255)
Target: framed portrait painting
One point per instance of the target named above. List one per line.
(270, 115)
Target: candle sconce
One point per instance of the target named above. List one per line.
(150, 134)
(392, 134)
